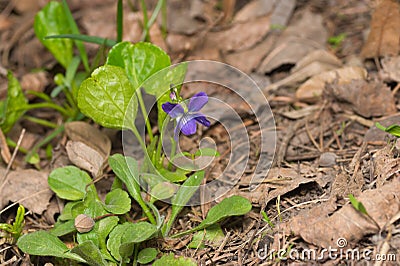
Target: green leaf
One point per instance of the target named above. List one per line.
(117, 201)
(75, 30)
(163, 190)
(67, 213)
(178, 176)
(98, 235)
(138, 232)
(357, 205)
(51, 20)
(126, 169)
(123, 236)
(91, 253)
(160, 83)
(207, 152)
(232, 206)
(392, 129)
(115, 238)
(182, 197)
(147, 255)
(63, 228)
(14, 106)
(42, 243)
(171, 260)
(69, 182)
(213, 236)
(140, 60)
(108, 98)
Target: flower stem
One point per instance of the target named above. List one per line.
(139, 200)
(144, 112)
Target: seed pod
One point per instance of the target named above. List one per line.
(83, 223)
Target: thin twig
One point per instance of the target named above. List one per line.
(21, 136)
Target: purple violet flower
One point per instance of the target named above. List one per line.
(187, 115)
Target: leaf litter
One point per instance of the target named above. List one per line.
(326, 145)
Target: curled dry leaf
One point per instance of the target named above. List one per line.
(322, 228)
(385, 166)
(88, 147)
(312, 64)
(35, 82)
(306, 34)
(85, 157)
(312, 89)
(88, 134)
(30, 185)
(390, 68)
(365, 98)
(253, 10)
(383, 38)
(251, 33)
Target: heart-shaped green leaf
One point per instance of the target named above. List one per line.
(117, 201)
(52, 20)
(140, 60)
(108, 98)
(69, 182)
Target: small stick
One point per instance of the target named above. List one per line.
(21, 136)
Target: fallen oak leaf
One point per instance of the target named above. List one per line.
(324, 229)
(383, 38)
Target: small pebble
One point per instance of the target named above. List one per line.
(327, 159)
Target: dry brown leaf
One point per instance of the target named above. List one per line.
(312, 64)
(253, 10)
(30, 184)
(278, 182)
(383, 38)
(312, 89)
(385, 165)
(248, 60)
(182, 21)
(306, 34)
(365, 98)
(241, 36)
(319, 227)
(89, 135)
(85, 157)
(282, 12)
(390, 68)
(35, 82)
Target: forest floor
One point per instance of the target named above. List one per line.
(329, 70)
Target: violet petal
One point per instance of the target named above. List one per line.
(189, 128)
(173, 109)
(202, 120)
(197, 102)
